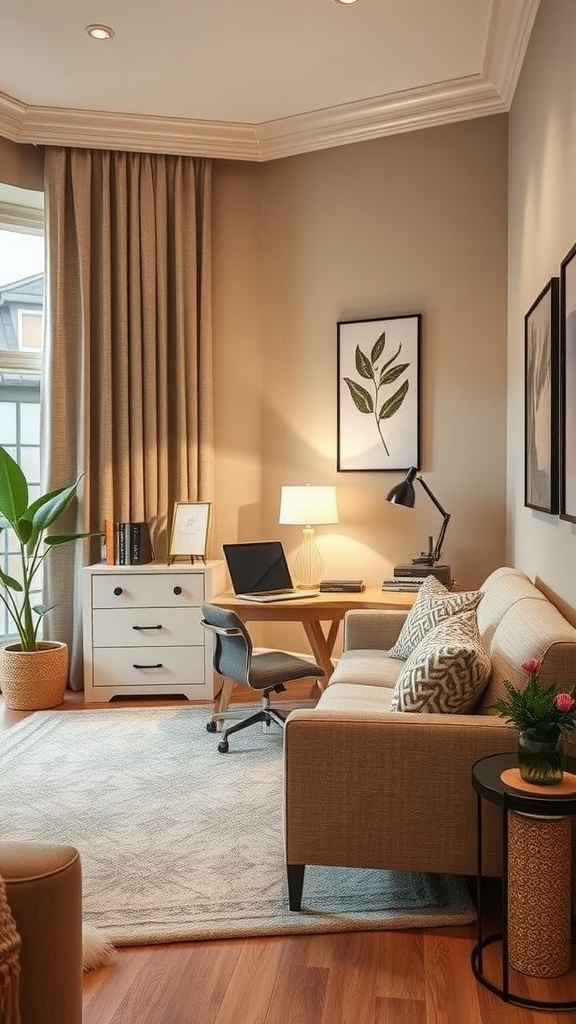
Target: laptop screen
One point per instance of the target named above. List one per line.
(257, 566)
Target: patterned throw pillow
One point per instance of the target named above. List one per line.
(447, 672)
(431, 607)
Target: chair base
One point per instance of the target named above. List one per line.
(266, 715)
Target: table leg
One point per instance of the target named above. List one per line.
(539, 895)
(321, 645)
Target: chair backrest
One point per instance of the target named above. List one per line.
(233, 646)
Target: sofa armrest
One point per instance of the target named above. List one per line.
(389, 790)
(372, 630)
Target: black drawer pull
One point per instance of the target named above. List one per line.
(177, 590)
(146, 627)
(118, 591)
(159, 665)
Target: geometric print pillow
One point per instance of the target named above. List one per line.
(448, 671)
(430, 608)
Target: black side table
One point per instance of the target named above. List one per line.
(488, 785)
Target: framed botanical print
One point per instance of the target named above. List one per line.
(378, 393)
(541, 353)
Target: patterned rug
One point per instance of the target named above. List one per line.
(179, 842)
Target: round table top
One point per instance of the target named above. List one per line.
(487, 782)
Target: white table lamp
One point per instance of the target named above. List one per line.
(308, 506)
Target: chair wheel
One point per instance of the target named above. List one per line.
(211, 726)
(223, 746)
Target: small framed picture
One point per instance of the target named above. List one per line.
(541, 350)
(190, 529)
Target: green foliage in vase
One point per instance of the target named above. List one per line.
(543, 713)
(368, 402)
(29, 523)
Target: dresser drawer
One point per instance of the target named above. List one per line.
(151, 668)
(143, 590)
(146, 627)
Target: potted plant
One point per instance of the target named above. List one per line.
(542, 715)
(33, 672)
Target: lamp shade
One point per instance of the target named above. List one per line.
(308, 506)
(403, 493)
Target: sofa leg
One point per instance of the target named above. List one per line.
(295, 885)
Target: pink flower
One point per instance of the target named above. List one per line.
(531, 666)
(564, 701)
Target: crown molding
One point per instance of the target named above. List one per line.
(269, 140)
(441, 103)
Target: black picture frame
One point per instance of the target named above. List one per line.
(541, 407)
(568, 386)
(378, 393)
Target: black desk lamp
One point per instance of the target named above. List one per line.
(404, 494)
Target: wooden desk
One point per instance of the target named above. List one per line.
(313, 611)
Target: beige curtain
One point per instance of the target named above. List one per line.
(127, 384)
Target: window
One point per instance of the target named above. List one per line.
(21, 332)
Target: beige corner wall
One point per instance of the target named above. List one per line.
(542, 224)
(22, 166)
(410, 224)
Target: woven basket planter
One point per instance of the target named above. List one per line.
(33, 680)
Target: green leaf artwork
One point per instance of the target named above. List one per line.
(377, 401)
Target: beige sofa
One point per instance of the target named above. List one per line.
(44, 891)
(367, 787)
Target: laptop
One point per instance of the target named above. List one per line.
(259, 572)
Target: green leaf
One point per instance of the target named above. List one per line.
(363, 365)
(378, 348)
(10, 582)
(13, 489)
(391, 360)
(361, 398)
(53, 540)
(393, 404)
(394, 373)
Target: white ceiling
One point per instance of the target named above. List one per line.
(257, 79)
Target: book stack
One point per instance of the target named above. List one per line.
(341, 586)
(128, 543)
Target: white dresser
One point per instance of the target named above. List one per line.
(142, 632)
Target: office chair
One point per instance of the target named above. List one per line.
(266, 672)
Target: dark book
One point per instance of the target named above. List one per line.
(123, 543)
(140, 549)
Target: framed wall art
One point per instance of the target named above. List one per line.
(378, 393)
(541, 360)
(568, 386)
(189, 533)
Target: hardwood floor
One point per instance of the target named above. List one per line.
(391, 977)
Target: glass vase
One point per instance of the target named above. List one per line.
(539, 762)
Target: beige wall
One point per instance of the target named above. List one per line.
(410, 224)
(21, 165)
(542, 228)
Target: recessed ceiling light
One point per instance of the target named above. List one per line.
(105, 32)
(345, 1)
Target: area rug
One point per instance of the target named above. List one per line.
(179, 842)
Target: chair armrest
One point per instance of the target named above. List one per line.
(372, 630)
(389, 790)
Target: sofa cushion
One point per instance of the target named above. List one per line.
(341, 697)
(448, 670)
(431, 607)
(366, 668)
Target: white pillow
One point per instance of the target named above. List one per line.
(433, 605)
(447, 672)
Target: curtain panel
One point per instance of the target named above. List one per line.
(127, 397)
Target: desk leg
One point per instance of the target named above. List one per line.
(322, 646)
(222, 698)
